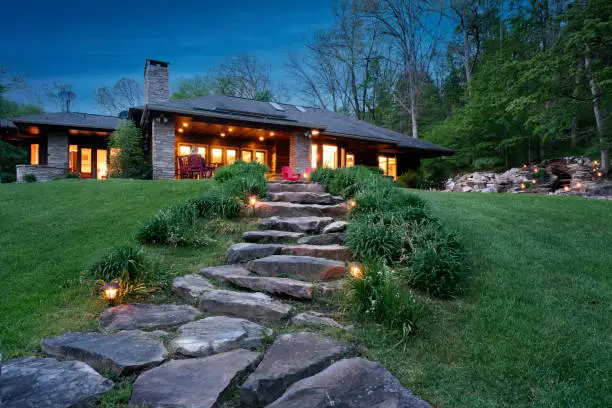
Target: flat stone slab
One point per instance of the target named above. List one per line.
(335, 252)
(274, 286)
(271, 236)
(336, 226)
(220, 273)
(281, 209)
(46, 382)
(257, 306)
(146, 316)
(324, 239)
(316, 319)
(355, 383)
(218, 334)
(332, 286)
(190, 287)
(305, 197)
(299, 267)
(289, 359)
(192, 383)
(279, 187)
(296, 224)
(244, 252)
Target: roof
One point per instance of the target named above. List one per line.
(7, 124)
(71, 119)
(330, 123)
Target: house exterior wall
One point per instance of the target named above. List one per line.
(57, 149)
(41, 172)
(162, 149)
(299, 152)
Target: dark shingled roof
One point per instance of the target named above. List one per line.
(71, 119)
(7, 124)
(331, 123)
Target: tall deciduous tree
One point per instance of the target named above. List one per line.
(124, 94)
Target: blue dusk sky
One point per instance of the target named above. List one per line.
(90, 44)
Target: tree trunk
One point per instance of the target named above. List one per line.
(414, 114)
(599, 121)
(466, 57)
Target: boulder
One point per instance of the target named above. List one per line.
(218, 334)
(190, 287)
(256, 306)
(46, 382)
(299, 267)
(274, 286)
(336, 252)
(289, 359)
(271, 236)
(296, 224)
(193, 383)
(244, 252)
(220, 273)
(336, 226)
(304, 197)
(146, 316)
(280, 209)
(316, 319)
(324, 239)
(280, 187)
(355, 383)
(332, 286)
(123, 353)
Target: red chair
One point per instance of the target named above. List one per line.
(288, 174)
(182, 163)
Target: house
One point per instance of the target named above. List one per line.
(221, 128)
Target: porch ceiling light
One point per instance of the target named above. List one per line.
(261, 138)
(314, 132)
(185, 124)
(271, 133)
(222, 134)
(181, 130)
(230, 129)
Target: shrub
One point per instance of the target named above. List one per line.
(7, 178)
(379, 195)
(379, 296)
(240, 169)
(10, 156)
(29, 178)
(216, 202)
(174, 225)
(374, 241)
(409, 179)
(72, 176)
(245, 186)
(322, 175)
(435, 172)
(129, 162)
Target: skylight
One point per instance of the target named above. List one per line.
(300, 108)
(276, 106)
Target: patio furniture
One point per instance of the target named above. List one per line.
(193, 166)
(288, 174)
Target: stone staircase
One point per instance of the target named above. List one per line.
(297, 249)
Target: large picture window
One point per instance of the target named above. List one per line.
(34, 153)
(388, 165)
(314, 156)
(350, 160)
(330, 156)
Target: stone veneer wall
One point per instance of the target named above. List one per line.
(162, 146)
(57, 150)
(299, 152)
(41, 172)
(157, 82)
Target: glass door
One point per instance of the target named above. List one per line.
(85, 162)
(73, 158)
(330, 156)
(101, 169)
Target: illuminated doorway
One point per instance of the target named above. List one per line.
(330, 156)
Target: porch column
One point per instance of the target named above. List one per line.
(162, 148)
(299, 152)
(57, 150)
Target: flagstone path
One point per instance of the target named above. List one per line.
(214, 341)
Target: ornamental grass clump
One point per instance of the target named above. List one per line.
(175, 225)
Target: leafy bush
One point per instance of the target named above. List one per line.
(10, 156)
(243, 187)
(381, 297)
(239, 169)
(344, 181)
(378, 195)
(217, 202)
(409, 179)
(7, 178)
(73, 175)
(129, 162)
(374, 241)
(29, 178)
(323, 175)
(174, 225)
(435, 172)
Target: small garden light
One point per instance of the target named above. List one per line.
(252, 201)
(356, 270)
(306, 176)
(523, 185)
(566, 188)
(352, 204)
(533, 181)
(110, 290)
(599, 174)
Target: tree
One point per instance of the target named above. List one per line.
(60, 94)
(194, 88)
(128, 161)
(126, 93)
(246, 77)
(10, 109)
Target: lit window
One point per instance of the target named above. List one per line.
(260, 157)
(230, 155)
(202, 152)
(350, 160)
(247, 156)
(85, 162)
(101, 170)
(314, 156)
(388, 165)
(184, 150)
(217, 155)
(73, 157)
(330, 156)
(34, 149)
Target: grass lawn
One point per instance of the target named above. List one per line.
(533, 328)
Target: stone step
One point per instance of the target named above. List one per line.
(281, 209)
(306, 268)
(271, 236)
(218, 334)
(274, 286)
(189, 288)
(289, 359)
(312, 318)
(304, 197)
(246, 251)
(281, 186)
(123, 353)
(324, 239)
(335, 252)
(146, 316)
(220, 273)
(194, 382)
(336, 226)
(296, 224)
(252, 306)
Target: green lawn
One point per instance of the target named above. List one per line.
(532, 330)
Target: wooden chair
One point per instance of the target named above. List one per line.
(288, 174)
(182, 163)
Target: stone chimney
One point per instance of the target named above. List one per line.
(156, 82)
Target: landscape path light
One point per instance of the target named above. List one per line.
(356, 270)
(110, 291)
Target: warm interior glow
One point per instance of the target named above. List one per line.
(101, 169)
(356, 270)
(73, 151)
(350, 160)
(314, 156)
(271, 133)
(314, 132)
(181, 130)
(260, 157)
(231, 129)
(247, 156)
(34, 153)
(261, 138)
(388, 165)
(85, 162)
(217, 155)
(253, 200)
(184, 150)
(222, 135)
(230, 156)
(185, 124)
(330, 156)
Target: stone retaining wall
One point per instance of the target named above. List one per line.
(41, 172)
